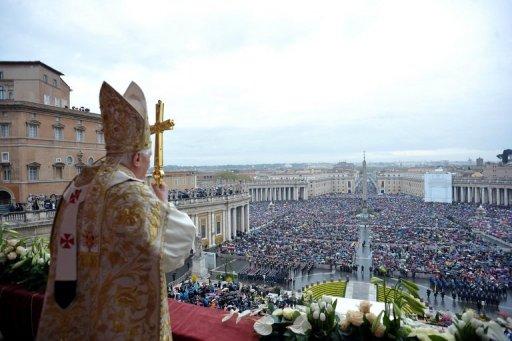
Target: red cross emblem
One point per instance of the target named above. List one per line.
(67, 240)
(74, 196)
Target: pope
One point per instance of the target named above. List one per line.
(114, 238)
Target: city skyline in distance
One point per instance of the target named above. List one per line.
(266, 83)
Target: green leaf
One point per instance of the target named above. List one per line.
(436, 338)
(376, 322)
(376, 280)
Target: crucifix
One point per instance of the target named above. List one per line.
(158, 129)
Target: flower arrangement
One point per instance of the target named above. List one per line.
(317, 320)
(362, 324)
(468, 327)
(23, 261)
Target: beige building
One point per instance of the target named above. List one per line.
(493, 187)
(218, 219)
(180, 180)
(43, 144)
(411, 183)
(290, 187)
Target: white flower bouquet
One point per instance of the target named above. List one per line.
(23, 261)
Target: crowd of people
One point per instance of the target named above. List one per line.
(204, 192)
(296, 236)
(408, 237)
(230, 295)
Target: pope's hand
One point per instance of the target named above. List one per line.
(161, 191)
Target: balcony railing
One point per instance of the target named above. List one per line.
(210, 200)
(27, 216)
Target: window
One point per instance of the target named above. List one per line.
(47, 99)
(54, 82)
(79, 169)
(69, 160)
(11, 94)
(4, 129)
(64, 103)
(80, 135)
(57, 102)
(7, 173)
(203, 229)
(218, 227)
(2, 92)
(45, 78)
(33, 173)
(59, 133)
(1, 75)
(90, 161)
(100, 138)
(58, 173)
(5, 156)
(32, 130)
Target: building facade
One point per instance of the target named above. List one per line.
(43, 144)
(494, 187)
(302, 187)
(218, 219)
(180, 180)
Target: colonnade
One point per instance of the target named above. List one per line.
(281, 193)
(493, 195)
(226, 222)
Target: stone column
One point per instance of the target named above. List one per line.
(247, 225)
(242, 219)
(196, 223)
(505, 197)
(489, 195)
(228, 224)
(470, 194)
(233, 222)
(213, 229)
(498, 196)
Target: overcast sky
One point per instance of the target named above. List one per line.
(278, 81)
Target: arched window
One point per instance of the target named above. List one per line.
(2, 92)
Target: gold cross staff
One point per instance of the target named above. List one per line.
(158, 128)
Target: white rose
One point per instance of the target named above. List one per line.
(475, 323)
(328, 299)
(321, 304)
(328, 308)
(20, 250)
(314, 306)
(12, 256)
(288, 313)
(364, 307)
(480, 331)
(322, 317)
(12, 242)
(370, 317)
(277, 312)
(468, 315)
(40, 261)
(344, 325)
(316, 314)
